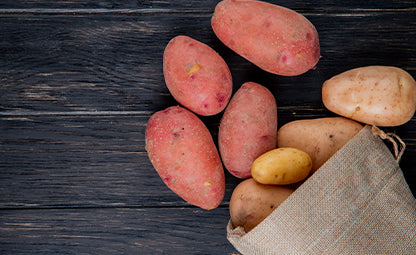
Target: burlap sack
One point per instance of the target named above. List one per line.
(358, 202)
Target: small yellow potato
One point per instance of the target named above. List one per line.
(375, 95)
(251, 202)
(320, 138)
(281, 166)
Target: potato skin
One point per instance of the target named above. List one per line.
(320, 138)
(375, 95)
(251, 202)
(276, 39)
(247, 128)
(196, 76)
(184, 155)
(281, 166)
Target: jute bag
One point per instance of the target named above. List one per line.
(358, 202)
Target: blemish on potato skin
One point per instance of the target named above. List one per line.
(234, 172)
(249, 217)
(220, 98)
(190, 69)
(167, 179)
(266, 137)
(267, 24)
(316, 149)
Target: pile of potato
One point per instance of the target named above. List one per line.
(250, 145)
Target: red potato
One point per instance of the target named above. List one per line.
(248, 128)
(276, 39)
(196, 76)
(183, 153)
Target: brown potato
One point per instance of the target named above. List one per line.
(320, 138)
(252, 202)
(375, 95)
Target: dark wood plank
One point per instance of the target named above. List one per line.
(114, 62)
(80, 161)
(115, 231)
(196, 4)
(100, 161)
(107, 4)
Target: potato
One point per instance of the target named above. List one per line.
(320, 138)
(184, 155)
(276, 39)
(247, 128)
(252, 202)
(196, 76)
(375, 95)
(281, 166)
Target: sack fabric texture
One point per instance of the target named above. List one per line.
(358, 202)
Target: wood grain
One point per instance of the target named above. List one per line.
(80, 161)
(114, 231)
(78, 82)
(320, 5)
(114, 62)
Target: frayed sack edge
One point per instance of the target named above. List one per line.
(251, 243)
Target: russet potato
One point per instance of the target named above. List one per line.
(251, 202)
(375, 95)
(320, 138)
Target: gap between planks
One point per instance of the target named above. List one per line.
(101, 11)
(11, 114)
(110, 206)
(8, 114)
(307, 12)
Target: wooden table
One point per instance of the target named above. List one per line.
(78, 82)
